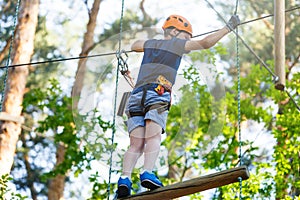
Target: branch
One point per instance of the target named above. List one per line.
(266, 22)
(30, 176)
(148, 21)
(5, 50)
(290, 67)
(146, 16)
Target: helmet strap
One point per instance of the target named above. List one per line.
(179, 31)
(168, 32)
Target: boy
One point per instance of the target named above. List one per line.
(149, 101)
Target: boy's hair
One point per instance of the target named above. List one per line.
(168, 30)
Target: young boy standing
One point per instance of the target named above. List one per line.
(149, 102)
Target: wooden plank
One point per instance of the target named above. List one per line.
(7, 117)
(279, 44)
(194, 185)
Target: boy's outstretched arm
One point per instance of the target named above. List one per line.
(212, 39)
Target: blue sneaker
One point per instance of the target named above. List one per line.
(124, 187)
(150, 181)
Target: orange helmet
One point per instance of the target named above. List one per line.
(178, 22)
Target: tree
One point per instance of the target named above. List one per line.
(286, 180)
(56, 186)
(23, 50)
(259, 34)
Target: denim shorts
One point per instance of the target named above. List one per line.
(135, 105)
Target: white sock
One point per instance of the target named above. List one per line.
(123, 177)
(145, 170)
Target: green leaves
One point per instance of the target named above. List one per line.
(60, 125)
(193, 148)
(5, 192)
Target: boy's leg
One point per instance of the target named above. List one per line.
(152, 144)
(152, 148)
(135, 150)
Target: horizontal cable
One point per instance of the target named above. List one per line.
(114, 53)
(62, 59)
(249, 21)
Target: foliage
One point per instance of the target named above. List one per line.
(259, 34)
(59, 125)
(45, 50)
(99, 189)
(287, 150)
(5, 191)
(187, 147)
(131, 21)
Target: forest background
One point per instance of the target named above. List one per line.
(63, 148)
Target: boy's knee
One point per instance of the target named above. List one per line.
(137, 144)
(140, 147)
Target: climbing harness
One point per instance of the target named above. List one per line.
(160, 107)
(162, 86)
(122, 67)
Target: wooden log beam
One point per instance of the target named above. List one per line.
(279, 36)
(194, 185)
(7, 117)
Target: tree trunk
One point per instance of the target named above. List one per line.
(56, 185)
(88, 43)
(15, 88)
(30, 173)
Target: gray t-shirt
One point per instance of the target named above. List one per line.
(161, 58)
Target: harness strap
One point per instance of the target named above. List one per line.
(144, 95)
(160, 107)
(134, 114)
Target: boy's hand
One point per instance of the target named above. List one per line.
(233, 22)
